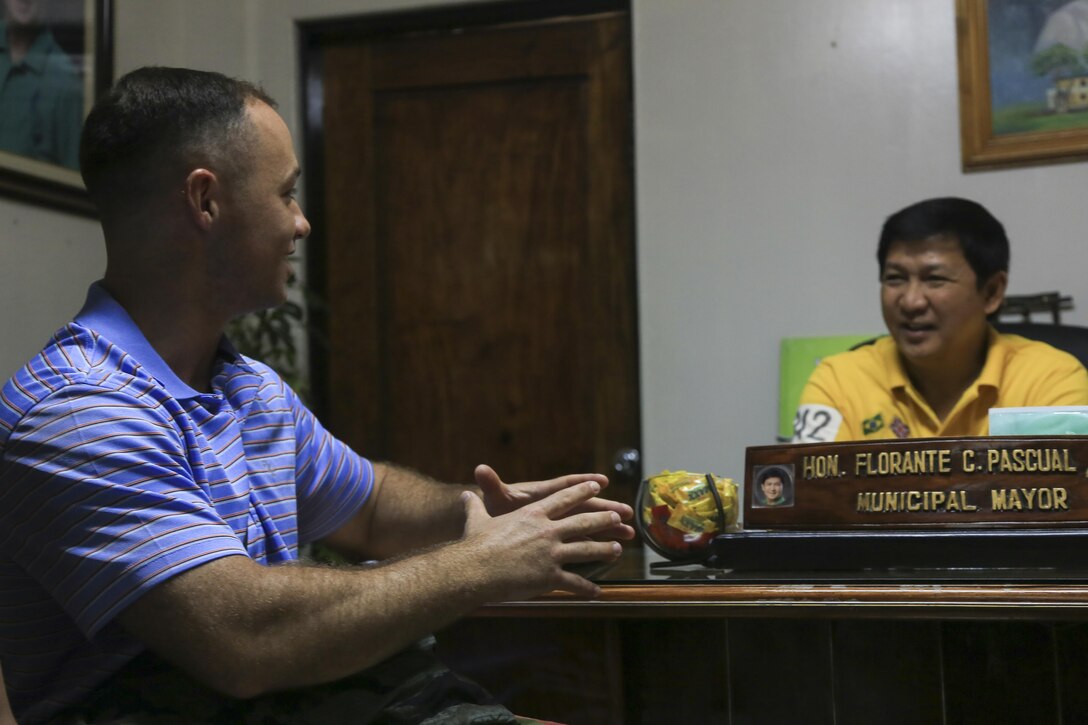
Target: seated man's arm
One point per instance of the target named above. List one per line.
(407, 510)
(105, 508)
(820, 417)
(245, 629)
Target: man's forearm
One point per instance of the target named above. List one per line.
(407, 511)
(245, 628)
(272, 628)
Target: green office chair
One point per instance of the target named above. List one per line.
(797, 358)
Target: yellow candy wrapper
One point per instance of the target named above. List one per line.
(679, 513)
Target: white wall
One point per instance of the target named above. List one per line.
(773, 138)
(47, 259)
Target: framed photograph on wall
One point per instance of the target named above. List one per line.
(55, 59)
(1023, 72)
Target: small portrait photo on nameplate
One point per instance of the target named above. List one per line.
(773, 486)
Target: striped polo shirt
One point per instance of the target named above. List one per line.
(115, 476)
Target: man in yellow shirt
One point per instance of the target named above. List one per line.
(943, 269)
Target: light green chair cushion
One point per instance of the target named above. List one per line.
(797, 358)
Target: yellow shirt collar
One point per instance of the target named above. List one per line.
(989, 376)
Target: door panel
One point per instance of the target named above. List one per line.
(480, 257)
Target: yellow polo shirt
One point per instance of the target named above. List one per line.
(865, 394)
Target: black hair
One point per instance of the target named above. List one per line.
(773, 472)
(981, 237)
(155, 120)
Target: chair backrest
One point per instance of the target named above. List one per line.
(1071, 338)
(797, 358)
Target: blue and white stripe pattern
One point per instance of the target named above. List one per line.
(115, 476)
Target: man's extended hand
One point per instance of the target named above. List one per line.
(528, 547)
(501, 498)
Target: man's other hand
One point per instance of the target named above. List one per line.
(502, 498)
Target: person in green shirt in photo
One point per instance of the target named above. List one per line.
(41, 91)
(773, 488)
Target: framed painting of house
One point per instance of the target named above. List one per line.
(1023, 72)
(55, 59)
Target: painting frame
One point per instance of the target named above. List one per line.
(49, 185)
(981, 146)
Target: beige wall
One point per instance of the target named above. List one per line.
(47, 260)
(773, 137)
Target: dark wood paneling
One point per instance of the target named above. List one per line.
(569, 671)
(484, 295)
(479, 255)
(843, 652)
(1071, 650)
(673, 672)
(999, 672)
(887, 672)
(780, 672)
(757, 670)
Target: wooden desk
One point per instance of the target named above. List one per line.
(701, 649)
(808, 601)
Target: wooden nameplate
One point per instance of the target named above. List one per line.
(929, 483)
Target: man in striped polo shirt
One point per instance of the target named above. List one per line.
(155, 485)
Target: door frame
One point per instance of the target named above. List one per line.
(313, 37)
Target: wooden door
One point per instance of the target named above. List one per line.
(479, 258)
